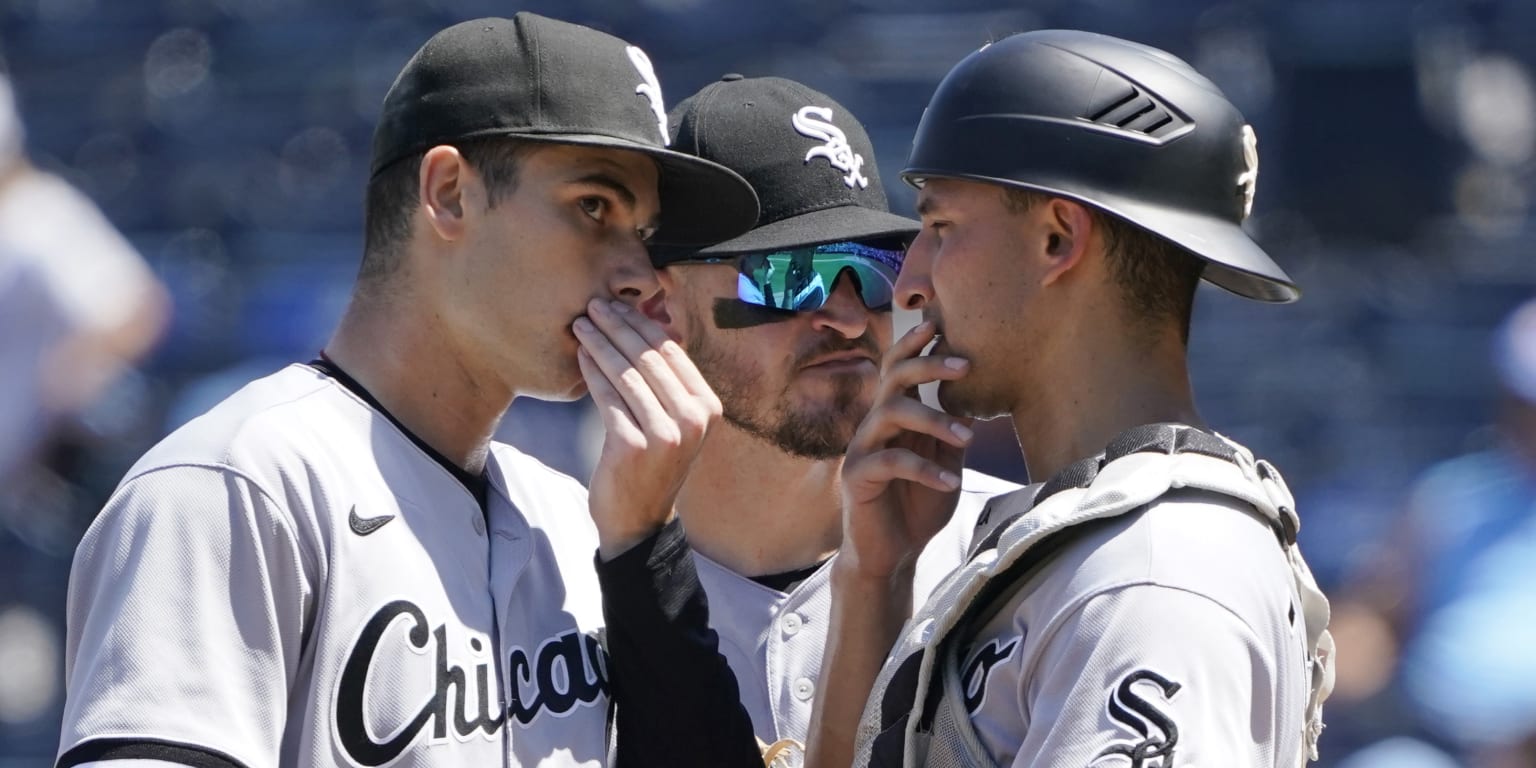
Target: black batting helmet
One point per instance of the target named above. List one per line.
(1124, 127)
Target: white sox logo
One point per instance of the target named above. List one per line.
(651, 89)
(836, 149)
(1159, 733)
(567, 671)
(979, 668)
(1248, 180)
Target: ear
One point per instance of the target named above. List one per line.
(659, 306)
(441, 189)
(1069, 226)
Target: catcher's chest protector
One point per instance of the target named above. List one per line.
(916, 715)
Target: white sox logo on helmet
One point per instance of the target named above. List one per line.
(816, 123)
(1248, 180)
(651, 89)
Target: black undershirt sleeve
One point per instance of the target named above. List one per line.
(677, 700)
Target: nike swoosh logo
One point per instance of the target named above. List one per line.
(363, 526)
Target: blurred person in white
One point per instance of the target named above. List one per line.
(77, 302)
(77, 306)
(1468, 666)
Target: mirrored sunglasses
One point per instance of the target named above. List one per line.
(802, 279)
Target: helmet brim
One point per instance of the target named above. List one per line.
(1233, 260)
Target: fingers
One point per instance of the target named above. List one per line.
(624, 379)
(873, 473)
(910, 344)
(655, 337)
(903, 367)
(610, 404)
(662, 389)
(896, 409)
(637, 336)
(904, 415)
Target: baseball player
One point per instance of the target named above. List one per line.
(786, 323)
(336, 566)
(1147, 607)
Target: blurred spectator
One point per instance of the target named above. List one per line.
(1369, 720)
(77, 303)
(1469, 667)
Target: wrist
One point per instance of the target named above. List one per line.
(614, 539)
(863, 578)
(621, 525)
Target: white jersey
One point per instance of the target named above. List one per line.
(774, 641)
(289, 580)
(1146, 608)
(1166, 637)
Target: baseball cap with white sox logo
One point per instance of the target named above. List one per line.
(808, 157)
(533, 78)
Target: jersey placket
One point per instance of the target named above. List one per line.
(510, 550)
(793, 644)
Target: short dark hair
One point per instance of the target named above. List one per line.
(1157, 277)
(391, 197)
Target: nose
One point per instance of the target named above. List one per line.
(632, 278)
(914, 287)
(844, 311)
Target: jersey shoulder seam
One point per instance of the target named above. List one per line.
(227, 469)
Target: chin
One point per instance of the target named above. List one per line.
(573, 387)
(959, 400)
(848, 400)
(576, 392)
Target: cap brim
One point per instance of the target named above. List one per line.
(828, 225)
(1232, 259)
(702, 202)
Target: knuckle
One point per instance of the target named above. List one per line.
(652, 360)
(692, 423)
(666, 437)
(632, 378)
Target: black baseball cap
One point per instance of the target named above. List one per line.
(539, 79)
(809, 159)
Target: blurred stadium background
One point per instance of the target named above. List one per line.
(228, 140)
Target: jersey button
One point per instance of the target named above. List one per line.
(478, 523)
(805, 688)
(791, 624)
